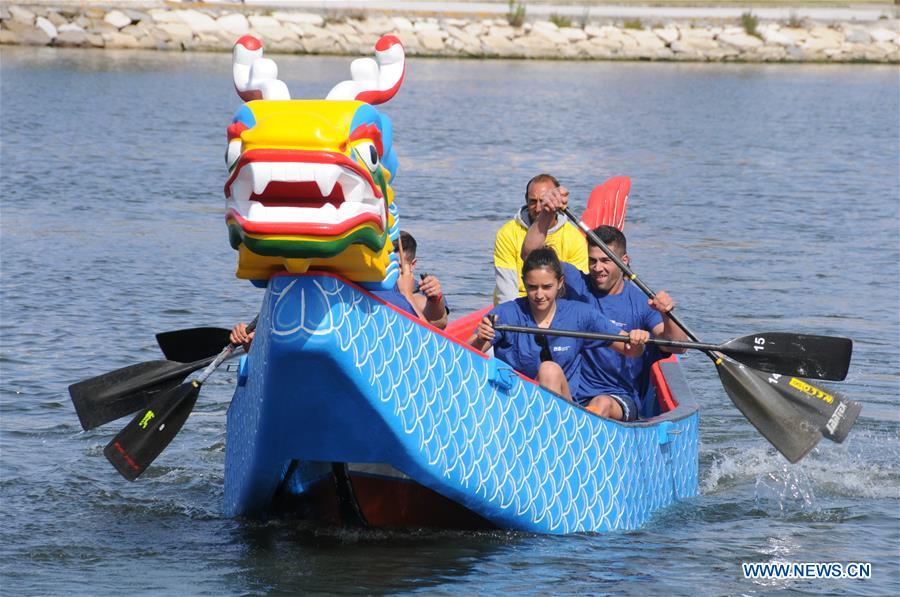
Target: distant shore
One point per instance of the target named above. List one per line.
(186, 26)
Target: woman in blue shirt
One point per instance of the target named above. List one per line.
(553, 361)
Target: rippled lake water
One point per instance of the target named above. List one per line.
(765, 197)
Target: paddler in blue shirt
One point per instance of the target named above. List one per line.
(612, 380)
(552, 361)
(425, 294)
(423, 298)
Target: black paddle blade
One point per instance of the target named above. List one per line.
(193, 344)
(119, 393)
(792, 430)
(835, 414)
(148, 434)
(804, 355)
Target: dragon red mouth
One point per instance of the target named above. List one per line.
(281, 188)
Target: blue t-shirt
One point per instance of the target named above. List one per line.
(522, 351)
(606, 371)
(394, 297)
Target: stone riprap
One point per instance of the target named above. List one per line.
(287, 31)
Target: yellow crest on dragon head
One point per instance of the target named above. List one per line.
(309, 183)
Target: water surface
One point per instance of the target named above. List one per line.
(765, 197)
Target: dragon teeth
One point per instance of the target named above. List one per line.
(254, 178)
(327, 214)
(240, 189)
(261, 174)
(353, 189)
(326, 177)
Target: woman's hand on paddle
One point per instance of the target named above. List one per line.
(240, 336)
(483, 337)
(485, 330)
(637, 338)
(634, 347)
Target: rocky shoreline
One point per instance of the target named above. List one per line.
(215, 28)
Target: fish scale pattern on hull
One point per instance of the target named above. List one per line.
(455, 421)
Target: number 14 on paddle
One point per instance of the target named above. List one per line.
(835, 414)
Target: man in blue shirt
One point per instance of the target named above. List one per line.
(424, 296)
(555, 362)
(611, 379)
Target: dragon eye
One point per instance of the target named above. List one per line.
(233, 152)
(368, 154)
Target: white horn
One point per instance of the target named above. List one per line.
(255, 77)
(374, 81)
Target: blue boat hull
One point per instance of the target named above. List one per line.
(336, 376)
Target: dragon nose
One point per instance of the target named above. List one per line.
(301, 130)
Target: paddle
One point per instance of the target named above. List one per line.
(154, 427)
(192, 344)
(113, 395)
(836, 414)
(105, 398)
(608, 203)
(774, 352)
(791, 429)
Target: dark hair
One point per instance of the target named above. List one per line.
(610, 236)
(409, 245)
(540, 178)
(543, 257)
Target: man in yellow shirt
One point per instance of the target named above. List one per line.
(566, 240)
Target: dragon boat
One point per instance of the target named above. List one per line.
(350, 410)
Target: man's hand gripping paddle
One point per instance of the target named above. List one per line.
(790, 418)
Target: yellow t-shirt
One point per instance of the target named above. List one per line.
(567, 240)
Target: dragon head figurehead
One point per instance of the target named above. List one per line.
(309, 181)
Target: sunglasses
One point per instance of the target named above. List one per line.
(545, 348)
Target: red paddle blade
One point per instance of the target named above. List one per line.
(608, 203)
(466, 325)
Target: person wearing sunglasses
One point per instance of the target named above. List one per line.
(555, 362)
